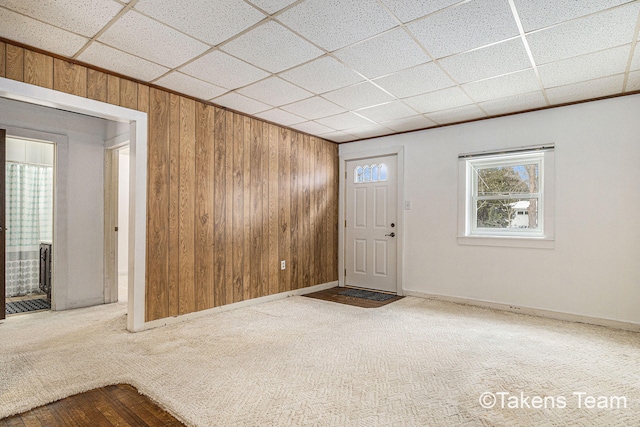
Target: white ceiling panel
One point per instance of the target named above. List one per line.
(280, 117)
(585, 67)
(468, 112)
(439, 100)
(209, 21)
(409, 123)
(408, 10)
(141, 36)
(535, 14)
(82, 17)
(634, 81)
(371, 131)
(241, 103)
(503, 86)
(358, 96)
(384, 54)
(190, 86)
(337, 136)
(274, 91)
(224, 70)
(415, 81)
(14, 26)
(586, 90)
(344, 121)
(272, 6)
(386, 112)
(522, 102)
(314, 108)
(115, 60)
(313, 128)
(333, 24)
(590, 34)
(487, 62)
(322, 75)
(272, 47)
(635, 62)
(466, 26)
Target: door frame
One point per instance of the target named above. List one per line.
(138, 130)
(342, 206)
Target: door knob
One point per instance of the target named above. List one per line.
(392, 234)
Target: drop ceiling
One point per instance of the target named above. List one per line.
(350, 69)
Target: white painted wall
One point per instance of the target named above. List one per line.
(84, 199)
(593, 270)
(123, 211)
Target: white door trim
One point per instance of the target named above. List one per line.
(342, 190)
(137, 120)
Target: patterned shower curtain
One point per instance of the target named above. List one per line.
(29, 220)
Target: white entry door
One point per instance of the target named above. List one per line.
(372, 226)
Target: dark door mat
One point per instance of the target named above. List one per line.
(334, 295)
(25, 306)
(370, 295)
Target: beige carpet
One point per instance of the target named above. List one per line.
(302, 361)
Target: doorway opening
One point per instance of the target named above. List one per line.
(29, 209)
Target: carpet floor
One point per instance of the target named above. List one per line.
(306, 362)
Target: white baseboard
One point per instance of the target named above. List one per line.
(247, 303)
(550, 314)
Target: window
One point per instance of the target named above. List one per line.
(370, 173)
(507, 195)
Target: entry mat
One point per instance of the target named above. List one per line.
(15, 307)
(370, 295)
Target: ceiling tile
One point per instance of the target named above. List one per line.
(190, 86)
(492, 61)
(590, 34)
(344, 121)
(322, 75)
(81, 17)
(635, 63)
(371, 131)
(337, 136)
(272, 6)
(241, 103)
(384, 54)
(358, 96)
(585, 67)
(386, 112)
(141, 36)
(414, 81)
(333, 24)
(408, 10)
(466, 26)
(522, 102)
(460, 114)
(224, 70)
(195, 17)
(313, 128)
(439, 100)
(314, 108)
(14, 26)
(586, 90)
(535, 14)
(272, 47)
(409, 123)
(280, 117)
(634, 81)
(274, 91)
(503, 86)
(117, 61)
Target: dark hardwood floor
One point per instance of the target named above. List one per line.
(116, 405)
(333, 296)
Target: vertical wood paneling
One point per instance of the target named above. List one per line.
(304, 212)
(246, 189)
(174, 206)
(274, 263)
(113, 90)
(220, 207)
(264, 279)
(38, 69)
(14, 63)
(97, 85)
(238, 207)
(319, 213)
(157, 289)
(284, 203)
(256, 210)
(312, 210)
(205, 167)
(229, 204)
(143, 98)
(69, 78)
(324, 244)
(128, 94)
(3, 58)
(333, 179)
(294, 224)
(187, 205)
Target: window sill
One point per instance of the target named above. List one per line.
(508, 242)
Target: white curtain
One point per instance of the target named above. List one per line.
(29, 220)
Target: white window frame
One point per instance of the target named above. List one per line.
(543, 235)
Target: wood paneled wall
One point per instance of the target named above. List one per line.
(228, 196)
